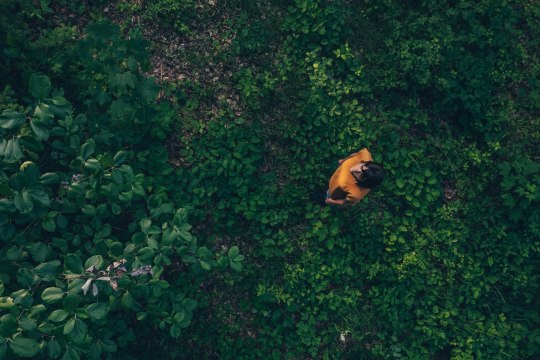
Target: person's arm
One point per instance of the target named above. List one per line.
(340, 161)
(342, 202)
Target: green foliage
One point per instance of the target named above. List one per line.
(91, 207)
(99, 259)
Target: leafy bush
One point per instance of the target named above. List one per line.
(64, 205)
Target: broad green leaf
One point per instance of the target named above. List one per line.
(119, 82)
(95, 351)
(24, 347)
(60, 106)
(40, 251)
(145, 225)
(69, 326)
(41, 132)
(46, 328)
(236, 266)
(7, 206)
(137, 189)
(61, 221)
(205, 265)
(96, 260)
(72, 301)
(116, 209)
(10, 119)
(49, 178)
(145, 254)
(40, 86)
(97, 311)
(43, 115)
(58, 315)
(39, 196)
(11, 150)
(52, 295)
(71, 354)
(129, 302)
(27, 324)
(27, 277)
(79, 331)
(49, 271)
(92, 165)
(88, 149)
(53, 348)
(109, 346)
(120, 157)
(233, 252)
(49, 225)
(8, 325)
(14, 253)
(89, 210)
(175, 331)
(117, 176)
(73, 263)
(169, 236)
(36, 310)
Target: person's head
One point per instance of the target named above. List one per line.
(368, 174)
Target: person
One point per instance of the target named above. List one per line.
(353, 179)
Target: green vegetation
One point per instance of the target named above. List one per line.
(158, 161)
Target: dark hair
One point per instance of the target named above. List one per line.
(372, 176)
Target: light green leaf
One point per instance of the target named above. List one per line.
(233, 252)
(10, 119)
(36, 310)
(58, 315)
(169, 236)
(89, 210)
(49, 178)
(52, 295)
(41, 132)
(120, 157)
(69, 326)
(43, 114)
(11, 150)
(88, 149)
(96, 260)
(236, 266)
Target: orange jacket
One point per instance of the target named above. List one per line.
(343, 185)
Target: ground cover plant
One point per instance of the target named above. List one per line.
(160, 161)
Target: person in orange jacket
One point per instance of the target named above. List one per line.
(353, 179)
